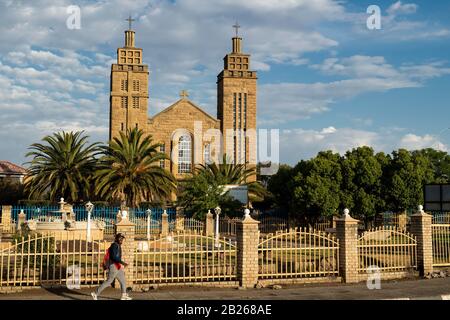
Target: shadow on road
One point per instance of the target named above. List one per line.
(71, 294)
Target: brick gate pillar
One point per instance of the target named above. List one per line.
(247, 237)
(209, 224)
(421, 228)
(347, 233)
(6, 218)
(126, 227)
(164, 224)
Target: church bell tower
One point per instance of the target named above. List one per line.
(129, 88)
(236, 106)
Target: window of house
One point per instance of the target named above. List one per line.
(184, 154)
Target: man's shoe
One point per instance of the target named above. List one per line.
(94, 295)
(126, 297)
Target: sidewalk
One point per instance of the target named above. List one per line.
(434, 289)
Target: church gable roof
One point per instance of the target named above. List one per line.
(184, 101)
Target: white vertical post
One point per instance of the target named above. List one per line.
(88, 232)
(89, 207)
(217, 211)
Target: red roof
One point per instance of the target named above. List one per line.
(7, 167)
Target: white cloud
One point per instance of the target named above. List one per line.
(52, 77)
(300, 144)
(400, 23)
(400, 8)
(297, 144)
(415, 142)
(288, 102)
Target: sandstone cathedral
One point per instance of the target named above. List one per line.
(187, 134)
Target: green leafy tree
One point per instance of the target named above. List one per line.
(404, 178)
(129, 170)
(440, 161)
(227, 172)
(202, 192)
(317, 186)
(205, 189)
(361, 184)
(61, 167)
(279, 185)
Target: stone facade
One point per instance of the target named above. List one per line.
(129, 89)
(236, 106)
(236, 110)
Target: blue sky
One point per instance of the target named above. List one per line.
(325, 80)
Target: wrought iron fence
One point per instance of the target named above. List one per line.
(32, 211)
(440, 217)
(45, 260)
(227, 226)
(388, 248)
(441, 245)
(185, 258)
(273, 224)
(195, 225)
(298, 253)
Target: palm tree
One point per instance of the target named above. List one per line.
(129, 170)
(63, 166)
(229, 173)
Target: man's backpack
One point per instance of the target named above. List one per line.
(105, 263)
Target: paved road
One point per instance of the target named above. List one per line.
(436, 289)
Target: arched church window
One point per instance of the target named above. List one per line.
(185, 154)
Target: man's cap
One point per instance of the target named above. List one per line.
(120, 235)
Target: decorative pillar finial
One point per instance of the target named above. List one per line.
(346, 212)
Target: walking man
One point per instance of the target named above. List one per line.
(115, 267)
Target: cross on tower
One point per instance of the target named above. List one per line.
(237, 26)
(184, 94)
(129, 22)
